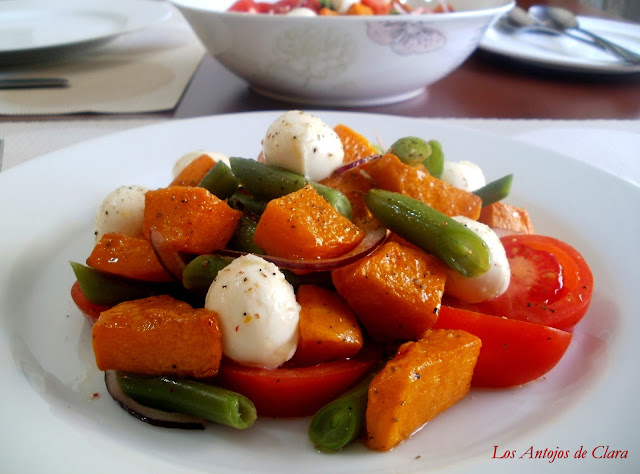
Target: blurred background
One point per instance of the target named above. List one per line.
(629, 9)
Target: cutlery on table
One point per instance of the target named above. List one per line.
(519, 20)
(565, 21)
(32, 83)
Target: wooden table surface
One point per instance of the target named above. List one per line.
(485, 86)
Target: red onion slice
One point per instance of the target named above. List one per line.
(357, 163)
(152, 416)
(372, 239)
(169, 257)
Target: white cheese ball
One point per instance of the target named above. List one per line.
(301, 11)
(187, 158)
(342, 5)
(304, 144)
(463, 174)
(258, 312)
(121, 211)
(490, 284)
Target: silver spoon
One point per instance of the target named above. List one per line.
(565, 21)
(517, 20)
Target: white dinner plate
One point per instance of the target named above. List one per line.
(44, 30)
(57, 416)
(566, 54)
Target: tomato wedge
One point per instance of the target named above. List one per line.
(513, 352)
(90, 310)
(551, 283)
(296, 391)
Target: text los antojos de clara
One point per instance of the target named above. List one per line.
(551, 455)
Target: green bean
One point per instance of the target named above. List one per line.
(334, 197)
(495, 190)
(270, 182)
(435, 233)
(341, 421)
(264, 181)
(435, 161)
(102, 288)
(190, 397)
(202, 270)
(242, 239)
(220, 181)
(411, 150)
(242, 201)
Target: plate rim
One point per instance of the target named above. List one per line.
(26, 168)
(138, 13)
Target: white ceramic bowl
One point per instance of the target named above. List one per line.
(345, 60)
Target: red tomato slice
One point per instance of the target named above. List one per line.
(247, 6)
(551, 283)
(513, 352)
(90, 310)
(379, 7)
(296, 391)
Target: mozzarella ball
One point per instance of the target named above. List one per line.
(187, 158)
(121, 211)
(257, 311)
(301, 11)
(490, 284)
(342, 5)
(463, 174)
(304, 144)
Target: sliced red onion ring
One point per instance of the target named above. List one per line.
(169, 257)
(372, 239)
(357, 163)
(152, 416)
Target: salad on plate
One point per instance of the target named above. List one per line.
(367, 287)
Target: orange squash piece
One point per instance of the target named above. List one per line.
(354, 185)
(303, 225)
(126, 256)
(355, 145)
(395, 291)
(505, 216)
(415, 181)
(327, 329)
(359, 9)
(192, 174)
(158, 335)
(191, 218)
(424, 378)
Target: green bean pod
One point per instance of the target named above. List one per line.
(495, 190)
(270, 182)
(242, 201)
(434, 163)
(264, 181)
(104, 289)
(242, 239)
(411, 150)
(202, 270)
(220, 181)
(435, 233)
(341, 421)
(334, 197)
(190, 397)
